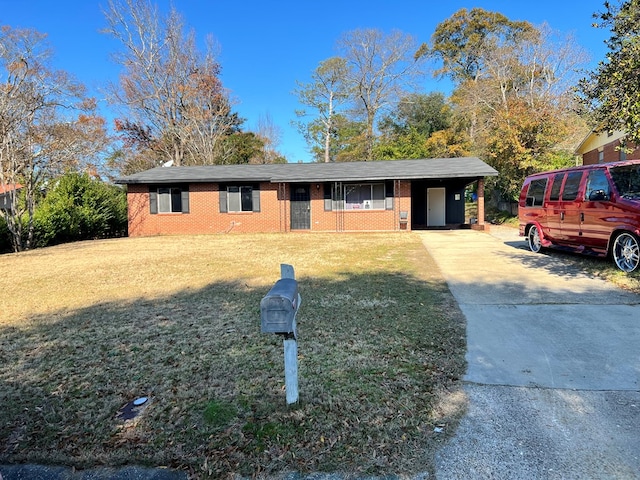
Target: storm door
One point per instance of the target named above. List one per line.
(300, 207)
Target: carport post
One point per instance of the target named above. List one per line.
(481, 201)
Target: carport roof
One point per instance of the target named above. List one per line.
(435, 168)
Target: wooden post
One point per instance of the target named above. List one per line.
(290, 349)
(291, 369)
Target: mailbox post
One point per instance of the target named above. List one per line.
(278, 311)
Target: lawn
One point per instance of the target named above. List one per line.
(88, 327)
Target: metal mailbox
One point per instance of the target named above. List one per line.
(279, 307)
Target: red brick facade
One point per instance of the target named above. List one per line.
(274, 216)
(609, 152)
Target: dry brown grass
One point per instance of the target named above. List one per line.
(87, 327)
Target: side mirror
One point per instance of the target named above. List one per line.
(598, 196)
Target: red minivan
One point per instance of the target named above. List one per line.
(592, 209)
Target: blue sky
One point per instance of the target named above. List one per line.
(265, 46)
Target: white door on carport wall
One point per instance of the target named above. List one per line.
(436, 207)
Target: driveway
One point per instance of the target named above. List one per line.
(553, 377)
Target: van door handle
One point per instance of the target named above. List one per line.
(561, 215)
(582, 217)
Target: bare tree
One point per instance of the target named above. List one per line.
(271, 135)
(41, 131)
(326, 93)
(381, 67)
(171, 93)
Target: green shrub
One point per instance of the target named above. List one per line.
(80, 208)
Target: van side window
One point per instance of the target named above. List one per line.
(554, 195)
(571, 186)
(626, 179)
(535, 196)
(598, 189)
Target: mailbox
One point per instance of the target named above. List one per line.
(278, 308)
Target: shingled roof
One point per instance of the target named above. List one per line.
(462, 167)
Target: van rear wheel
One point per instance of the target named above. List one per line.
(626, 252)
(533, 239)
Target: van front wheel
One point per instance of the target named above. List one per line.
(626, 252)
(533, 239)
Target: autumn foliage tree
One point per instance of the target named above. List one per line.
(175, 107)
(47, 126)
(513, 83)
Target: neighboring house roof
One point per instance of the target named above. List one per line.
(595, 140)
(9, 188)
(462, 167)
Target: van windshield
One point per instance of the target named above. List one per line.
(627, 181)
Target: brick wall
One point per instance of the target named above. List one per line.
(204, 213)
(611, 153)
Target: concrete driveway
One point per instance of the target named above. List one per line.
(553, 377)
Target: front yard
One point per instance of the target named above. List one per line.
(88, 327)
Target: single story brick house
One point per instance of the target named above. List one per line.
(321, 197)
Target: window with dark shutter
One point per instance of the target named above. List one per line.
(240, 198)
(169, 199)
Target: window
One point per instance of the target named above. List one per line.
(571, 186)
(169, 199)
(627, 181)
(366, 196)
(239, 198)
(535, 195)
(554, 195)
(597, 186)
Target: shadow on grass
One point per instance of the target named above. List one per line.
(380, 356)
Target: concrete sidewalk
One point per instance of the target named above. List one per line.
(553, 374)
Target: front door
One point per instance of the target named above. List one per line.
(436, 207)
(300, 207)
